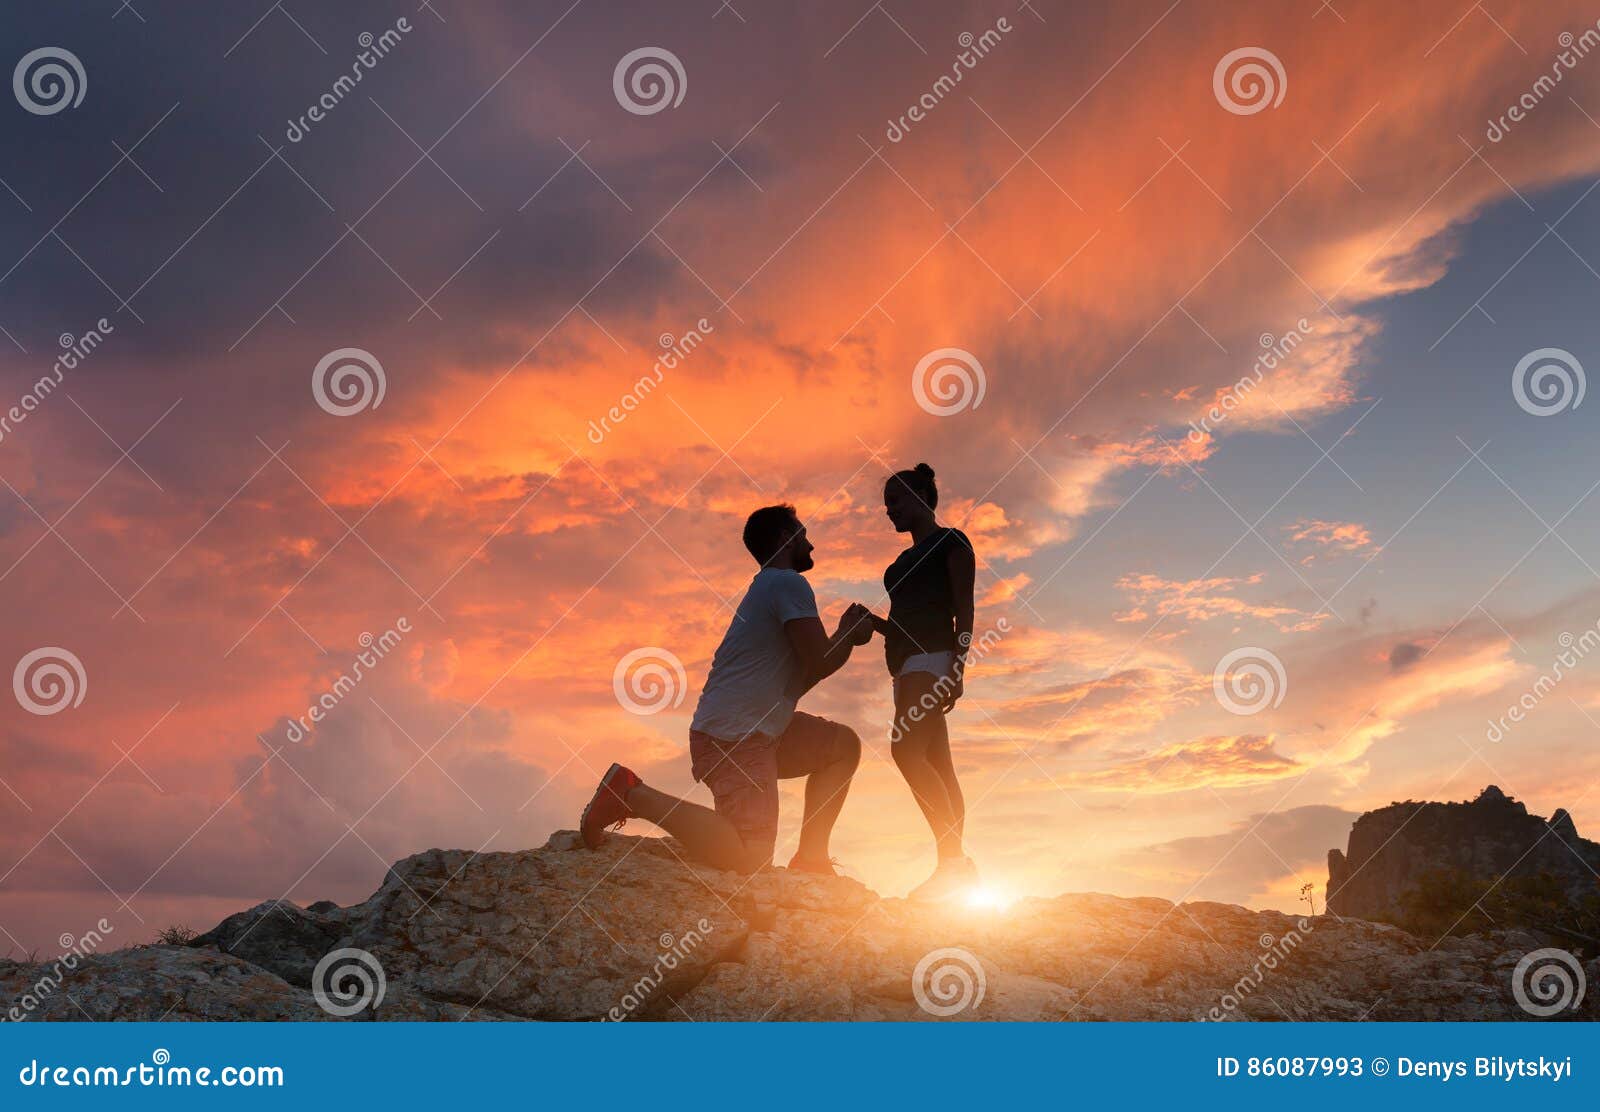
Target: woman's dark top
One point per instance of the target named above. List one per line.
(922, 614)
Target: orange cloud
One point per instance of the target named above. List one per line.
(1336, 536)
(1201, 600)
(1126, 703)
(1004, 590)
(1227, 761)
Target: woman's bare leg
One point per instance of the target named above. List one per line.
(917, 733)
(939, 757)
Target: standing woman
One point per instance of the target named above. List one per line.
(926, 636)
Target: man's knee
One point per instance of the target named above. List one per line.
(735, 854)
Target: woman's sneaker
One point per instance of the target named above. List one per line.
(952, 876)
(609, 807)
(824, 867)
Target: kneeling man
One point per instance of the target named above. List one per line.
(747, 734)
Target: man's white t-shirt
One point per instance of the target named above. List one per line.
(755, 674)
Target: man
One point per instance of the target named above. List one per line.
(746, 734)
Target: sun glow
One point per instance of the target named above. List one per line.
(988, 899)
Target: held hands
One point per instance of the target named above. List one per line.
(856, 624)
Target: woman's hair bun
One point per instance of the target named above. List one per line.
(919, 481)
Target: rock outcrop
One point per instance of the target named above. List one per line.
(632, 932)
(1392, 848)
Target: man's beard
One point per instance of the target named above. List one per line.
(804, 562)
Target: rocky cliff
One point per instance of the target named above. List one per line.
(631, 932)
(1493, 836)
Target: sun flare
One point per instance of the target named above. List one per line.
(988, 899)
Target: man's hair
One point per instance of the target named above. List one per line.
(769, 529)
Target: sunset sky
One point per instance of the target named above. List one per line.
(1082, 213)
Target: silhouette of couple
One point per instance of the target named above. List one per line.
(747, 734)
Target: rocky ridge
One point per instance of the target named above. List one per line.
(1492, 836)
(632, 932)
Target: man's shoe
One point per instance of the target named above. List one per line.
(609, 807)
(952, 876)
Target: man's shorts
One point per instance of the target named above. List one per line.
(743, 775)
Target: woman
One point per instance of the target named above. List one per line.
(926, 636)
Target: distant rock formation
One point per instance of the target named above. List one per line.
(1391, 848)
(629, 931)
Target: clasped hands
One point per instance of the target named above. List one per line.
(857, 623)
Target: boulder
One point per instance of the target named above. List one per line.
(277, 936)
